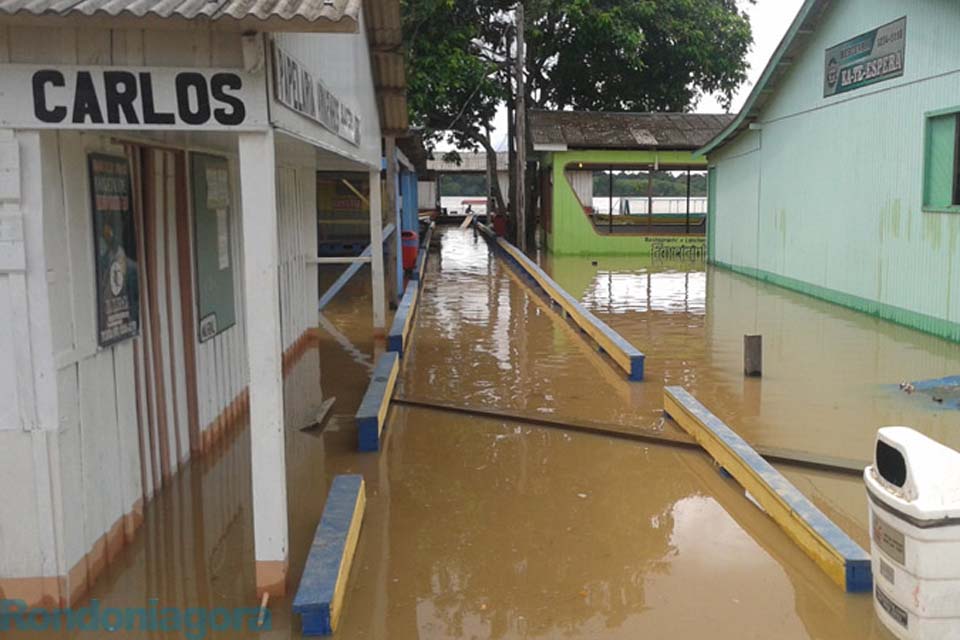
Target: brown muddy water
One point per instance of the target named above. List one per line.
(496, 528)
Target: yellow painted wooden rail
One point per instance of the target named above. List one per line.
(323, 587)
(624, 354)
(833, 550)
(372, 414)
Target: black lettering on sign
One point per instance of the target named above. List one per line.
(40, 107)
(85, 101)
(150, 114)
(218, 85)
(121, 92)
(185, 82)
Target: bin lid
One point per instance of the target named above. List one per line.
(915, 476)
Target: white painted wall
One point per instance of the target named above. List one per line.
(342, 62)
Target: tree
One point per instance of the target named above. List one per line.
(453, 92)
(639, 55)
(613, 55)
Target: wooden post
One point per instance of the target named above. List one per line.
(264, 359)
(609, 200)
(650, 199)
(753, 356)
(520, 195)
(688, 200)
(396, 270)
(376, 251)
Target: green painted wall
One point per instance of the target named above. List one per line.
(826, 197)
(572, 233)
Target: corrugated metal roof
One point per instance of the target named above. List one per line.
(385, 35)
(604, 130)
(270, 15)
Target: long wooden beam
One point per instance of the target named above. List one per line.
(624, 354)
(351, 271)
(421, 269)
(372, 414)
(319, 599)
(399, 334)
(833, 550)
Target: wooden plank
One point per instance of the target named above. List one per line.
(372, 414)
(624, 354)
(421, 269)
(403, 321)
(320, 596)
(833, 550)
(351, 271)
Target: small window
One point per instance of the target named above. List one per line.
(941, 176)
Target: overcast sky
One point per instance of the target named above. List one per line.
(770, 20)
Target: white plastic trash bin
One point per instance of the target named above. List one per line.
(914, 491)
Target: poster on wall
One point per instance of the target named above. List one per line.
(342, 209)
(115, 244)
(869, 58)
(212, 238)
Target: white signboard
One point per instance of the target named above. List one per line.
(296, 88)
(91, 97)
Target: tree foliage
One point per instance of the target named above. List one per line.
(635, 55)
(612, 55)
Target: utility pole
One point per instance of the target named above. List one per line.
(520, 195)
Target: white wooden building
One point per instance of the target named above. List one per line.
(158, 168)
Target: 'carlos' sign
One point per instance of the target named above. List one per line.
(67, 97)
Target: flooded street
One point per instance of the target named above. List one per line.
(500, 528)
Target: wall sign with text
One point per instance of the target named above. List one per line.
(74, 97)
(296, 88)
(869, 58)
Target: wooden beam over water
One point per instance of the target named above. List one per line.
(833, 550)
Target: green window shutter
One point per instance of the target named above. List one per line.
(938, 161)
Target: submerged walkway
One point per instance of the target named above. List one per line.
(495, 528)
(502, 529)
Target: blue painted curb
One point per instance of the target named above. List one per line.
(330, 556)
(372, 408)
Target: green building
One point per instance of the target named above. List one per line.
(840, 177)
(623, 183)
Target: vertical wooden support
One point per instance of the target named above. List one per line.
(376, 246)
(396, 270)
(753, 356)
(264, 359)
(519, 196)
(185, 273)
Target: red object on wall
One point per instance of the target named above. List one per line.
(500, 225)
(410, 240)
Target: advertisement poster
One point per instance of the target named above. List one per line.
(869, 58)
(115, 243)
